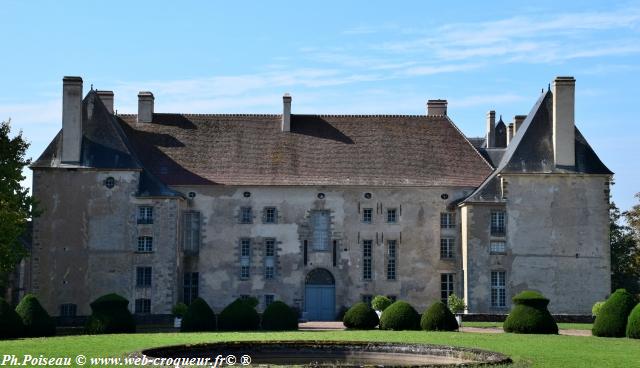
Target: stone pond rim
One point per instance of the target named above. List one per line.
(337, 353)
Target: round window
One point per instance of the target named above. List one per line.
(320, 195)
(110, 182)
(367, 195)
(246, 194)
(444, 196)
(192, 194)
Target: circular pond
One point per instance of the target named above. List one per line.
(325, 354)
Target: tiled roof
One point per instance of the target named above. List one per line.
(372, 150)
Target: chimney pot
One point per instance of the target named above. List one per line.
(436, 107)
(145, 107)
(107, 99)
(71, 119)
(564, 121)
(491, 126)
(510, 132)
(286, 112)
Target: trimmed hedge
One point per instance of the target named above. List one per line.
(438, 318)
(360, 317)
(11, 325)
(240, 315)
(198, 317)
(380, 303)
(36, 320)
(530, 315)
(612, 318)
(109, 314)
(595, 310)
(633, 323)
(400, 316)
(279, 317)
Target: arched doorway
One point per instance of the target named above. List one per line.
(320, 295)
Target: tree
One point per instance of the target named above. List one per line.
(16, 205)
(625, 253)
(633, 218)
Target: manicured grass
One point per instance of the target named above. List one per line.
(525, 350)
(562, 326)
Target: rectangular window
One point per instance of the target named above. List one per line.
(367, 298)
(335, 253)
(269, 258)
(392, 249)
(446, 248)
(320, 221)
(305, 252)
(143, 306)
(498, 247)
(446, 286)
(143, 276)
(145, 244)
(392, 215)
(245, 258)
(367, 258)
(367, 215)
(68, 310)
(268, 299)
(190, 287)
(270, 215)
(145, 215)
(393, 298)
(498, 289)
(497, 223)
(447, 220)
(191, 231)
(246, 215)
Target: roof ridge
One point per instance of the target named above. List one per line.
(278, 115)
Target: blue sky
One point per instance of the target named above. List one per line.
(333, 57)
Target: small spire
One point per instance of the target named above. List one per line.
(541, 90)
(92, 86)
(548, 87)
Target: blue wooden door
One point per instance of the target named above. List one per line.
(320, 302)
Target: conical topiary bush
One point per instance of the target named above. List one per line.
(612, 318)
(198, 317)
(36, 320)
(530, 315)
(110, 314)
(10, 322)
(438, 318)
(360, 317)
(240, 315)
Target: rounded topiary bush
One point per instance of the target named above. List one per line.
(633, 323)
(198, 317)
(10, 322)
(438, 318)
(36, 320)
(530, 315)
(612, 318)
(109, 314)
(279, 317)
(400, 316)
(380, 303)
(360, 317)
(240, 315)
(595, 310)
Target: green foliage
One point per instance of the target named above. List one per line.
(456, 304)
(109, 314)
(380, 303)
(625, 249)
(11, 325)
(400, 316)
(240, 315)
(612, 319)
(199, 317)
(595, 310)
(438, 318)
(360, 317)
(36, 320)
(179, 310)
(530, 315)
(279, 317)
(252, 301)
(16, 205)
(633, 323)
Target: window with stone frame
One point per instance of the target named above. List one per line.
(145, 214)
(142, 306)
(143, 276)
(447, 220)
(367, 215)
(392, 215)
(367, 259)
(497, 223)
(270, 215)
(268, 299)
(145, 244)
(446, 286)
(321, 223)
(269, 258)
(190, 287)
(191, 231)
(392, 259)
(498, 247)
(447, 248)
(246, 215)
(498, 289)
(245, 258)
(68, 310)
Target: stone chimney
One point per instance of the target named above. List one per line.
(107, 99)
(510, 132)
(145, 107)
(518, 120)
(71, 119)
(286, 112)
(491, 126)
(563, 121)
(437, 108)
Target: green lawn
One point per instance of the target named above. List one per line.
(562, 326)
(525, 350)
